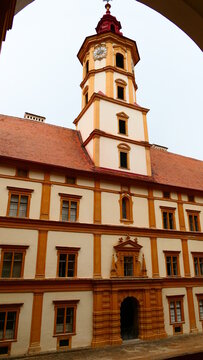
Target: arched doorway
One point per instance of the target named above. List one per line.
(129, 315)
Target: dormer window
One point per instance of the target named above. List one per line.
(120, 60)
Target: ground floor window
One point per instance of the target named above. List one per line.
(65, 317)
(176, 313)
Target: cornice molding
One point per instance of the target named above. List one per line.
(50, 225)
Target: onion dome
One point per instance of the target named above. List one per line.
(108, 23)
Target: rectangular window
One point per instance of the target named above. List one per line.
(22, 173)
(69, 207)
(120, 92)
(128, 266)
(9, 315)
(18, 202)
(70, 180)
(166, 194)
(198, 263)
(168, 217)
(12, 261)
(86, 98)
(191, 198)
(123, 160)
(176, 312)
(193, 219)
(122, 127)
(67, 261)
(172, 263)
(65, 317)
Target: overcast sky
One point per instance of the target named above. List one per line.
(40, 72)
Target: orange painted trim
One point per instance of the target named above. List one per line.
(97, 256)
(121, 41)
(36, 323)
(154, 257)
(100, 133)
(111, 100)
(185, 253)
(45, 199)
(41, 254)
(151, 209)
(97, 203)
(35, 224)
(181, 213)
(191, 310)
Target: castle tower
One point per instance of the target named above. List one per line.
(113, 126)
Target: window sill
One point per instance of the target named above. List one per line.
(64, 335)
(126, 221)
(7, 341)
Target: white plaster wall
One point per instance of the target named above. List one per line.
(85, 206)
(99, 64)
(100, 82)
(159, 193)
(85, 182)
(125, 78)
(24, 325)
(107, 250)
(89, 148)
(85, 124)
(5, 170)
(175, 292)
(84, 320)
(196, 208)
(109, 156)
(57, 178)
(110, 186)
(197, 290)
(85, 254)
(35, 202)
(158, 212)
(138, 190)
(140, 212)
(109, 121)
(196, 246)
(110, 207)
(22, 237)
(199, 199)
(169, 245)
(38, 175)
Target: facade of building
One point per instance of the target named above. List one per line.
(100, 232)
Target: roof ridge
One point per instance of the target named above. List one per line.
(36, 122)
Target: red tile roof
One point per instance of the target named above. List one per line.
(41, 143)
(176, 170)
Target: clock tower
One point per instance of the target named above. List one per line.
(112, 125)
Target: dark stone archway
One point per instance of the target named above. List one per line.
(129, 315)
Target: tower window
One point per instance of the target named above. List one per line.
(112, 28)
(87, 66)
(120, 92)
(120, 60)
(122, 127)
(123, 160)
(86, 98)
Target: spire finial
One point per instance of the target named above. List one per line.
(107, 6)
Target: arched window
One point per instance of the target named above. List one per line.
(120, 60)
(125, 208)
(126, 211)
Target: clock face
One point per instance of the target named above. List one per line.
(100, 52)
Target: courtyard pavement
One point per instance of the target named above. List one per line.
(168, 348)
